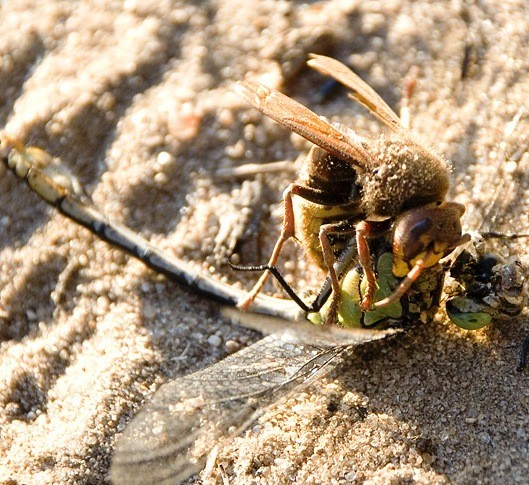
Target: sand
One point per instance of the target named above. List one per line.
(135, 98)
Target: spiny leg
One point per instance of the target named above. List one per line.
(409, 87)
(363, 231)
(326, 230)
(405, 284)
(428, 259)
(251, 169)
(287, 231)
(524, 351)
(342, 264)
(279, 277)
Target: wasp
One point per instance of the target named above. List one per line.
(354, 187)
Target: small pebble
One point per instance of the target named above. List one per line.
(214, 340)
(232, 346)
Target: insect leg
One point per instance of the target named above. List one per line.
(343, 264)
(409, 86)
(405, 284)
(326, 230)
(363, 231)
(279, 277)
(251, 169)
(287, 232)
(523, 355)
(427, 260)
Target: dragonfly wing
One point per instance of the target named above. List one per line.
(303, 332)
(171, 436)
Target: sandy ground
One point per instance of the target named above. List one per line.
(136, 101)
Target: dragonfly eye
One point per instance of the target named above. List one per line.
(467, 313)
(488, 262)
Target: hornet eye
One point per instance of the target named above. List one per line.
(415, 241)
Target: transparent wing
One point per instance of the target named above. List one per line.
(171, 436)
(366, 96)
(307, 333)
(304, 122)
